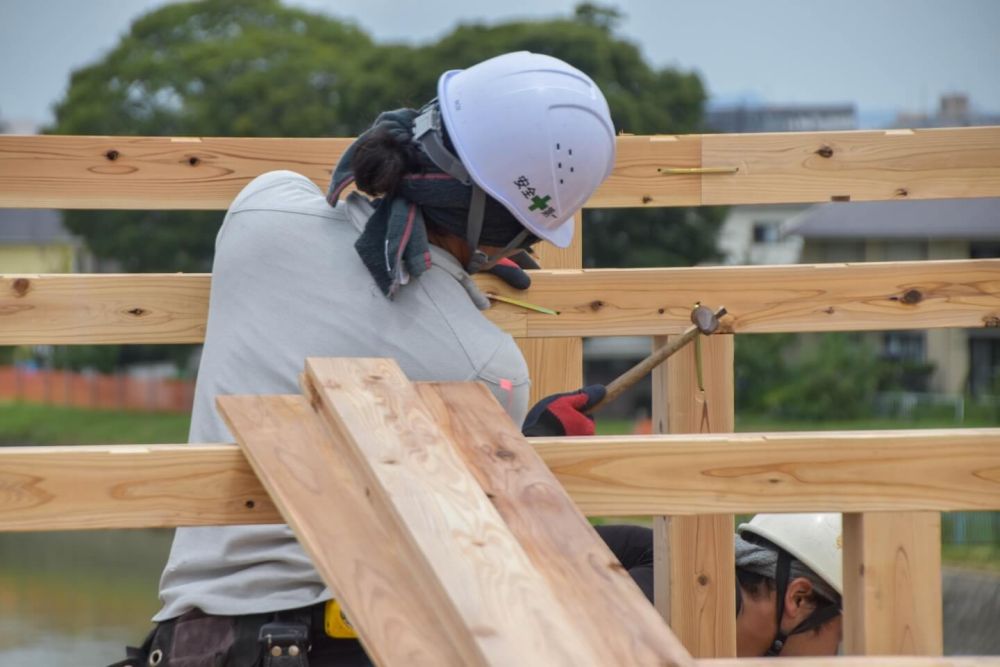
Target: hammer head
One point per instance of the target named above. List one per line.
(706, 321)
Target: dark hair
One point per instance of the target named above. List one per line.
(753, 583)
(757, 584)
(381, 160)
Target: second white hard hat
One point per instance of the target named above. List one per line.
(814, 539)
(534, 132)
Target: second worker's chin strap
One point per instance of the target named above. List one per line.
(816, 619)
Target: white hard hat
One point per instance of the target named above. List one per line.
(814, 539)
(534, 132)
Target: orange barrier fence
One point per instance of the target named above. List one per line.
(94, 390)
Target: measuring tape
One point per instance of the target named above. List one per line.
(335, 622)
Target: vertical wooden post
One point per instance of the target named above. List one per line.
(556, 364)
(892, 584)
(694, 562)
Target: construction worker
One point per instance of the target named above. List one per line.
(504, 156)
(789, 583)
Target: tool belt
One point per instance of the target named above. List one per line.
(279, 639)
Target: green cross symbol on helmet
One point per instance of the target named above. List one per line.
(539, 203)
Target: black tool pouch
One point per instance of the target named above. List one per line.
(137, 656)
(284, 644)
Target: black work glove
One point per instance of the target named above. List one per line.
(564, 414)
(511, 270)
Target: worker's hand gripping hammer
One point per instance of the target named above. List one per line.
(704, 322)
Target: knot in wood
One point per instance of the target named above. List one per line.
(991, 321)
(505, 454)
(112, 155)
(902, 192)
(194, 160)
(596, 304)
(138, 312)
(21, 286)
(912, 296)
(646, 199)
(703, 580)
(824, 151)
(250, 504)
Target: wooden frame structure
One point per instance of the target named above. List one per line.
(892, 485)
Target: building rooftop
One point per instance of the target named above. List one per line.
(969, 219)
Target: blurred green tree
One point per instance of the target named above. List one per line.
(258, 68)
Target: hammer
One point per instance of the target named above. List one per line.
(704, 322)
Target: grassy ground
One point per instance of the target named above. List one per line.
(25, 424)
(972, 556)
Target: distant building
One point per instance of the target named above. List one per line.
(784, 118)
(759, 234)
(964, 359)
(35, 241)
(954, 110)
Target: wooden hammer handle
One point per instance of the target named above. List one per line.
(704, 325)
(641, 369)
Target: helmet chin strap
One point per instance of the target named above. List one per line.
(474, 230)
(427, 133)
(814, 620)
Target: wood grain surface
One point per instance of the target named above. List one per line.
(855, 661)
(697, 570)
(383, 591)
(440, 516)
(207, 172)
(132, 486)
(589, 581)
(555, 364)
(892, 584)
(87, 487)
(942, 470)
(172, 308)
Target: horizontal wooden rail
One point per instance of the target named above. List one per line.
(133, 486)
(857, 661)
(70, 309)
(206, 173)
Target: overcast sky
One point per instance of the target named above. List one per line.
(881, 55)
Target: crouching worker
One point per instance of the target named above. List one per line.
(789, 583)
(510, 149)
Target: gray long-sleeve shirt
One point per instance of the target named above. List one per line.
(287, 284)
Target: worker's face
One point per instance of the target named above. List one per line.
(824, 640)
(755, 625)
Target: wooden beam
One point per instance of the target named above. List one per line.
(129, 486)
(699, 567)
(82, 309)
(306, 473)
(856, 166)
(843, 471)
(583, 572)
(556, 364)
(892, 584)
(440, 518)
(172, 308)
(135, 486)
(207, 172)
(853, 661)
